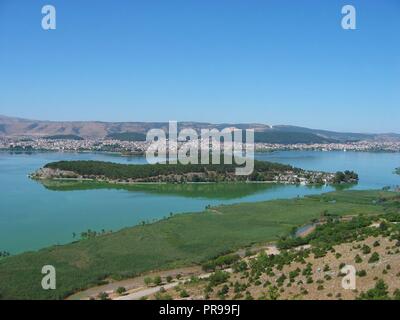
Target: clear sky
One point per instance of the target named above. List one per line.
(274, 62)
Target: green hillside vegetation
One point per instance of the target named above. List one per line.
(314, 271)
(127, 136)
(181, 173)
(283, 137)
(112, 170)
(179, 240)
(64, 137)
(344, 177)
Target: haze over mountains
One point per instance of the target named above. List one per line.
(17, 127)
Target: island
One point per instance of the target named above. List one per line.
(397, 170)
(264, 172)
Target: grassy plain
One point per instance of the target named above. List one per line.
(179, 240)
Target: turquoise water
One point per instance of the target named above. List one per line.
(33, 216)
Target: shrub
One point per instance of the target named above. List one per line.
(157, 280)
(361, 273)
(147, 281)
(184, 294)
(218, 277)
(379, 292)
(365, 249)
(374, 258)
(120, 290)
(103, 296)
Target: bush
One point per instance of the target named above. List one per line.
(184, 294)
(157, 280)
(120, 290)
(103, 296)
(374, 258)
(218, 277)
(379, 292)
(361, 273)
(365, 249)
(147, 281)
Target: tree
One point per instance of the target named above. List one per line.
(374, 258)
(379, 292)
(103, 296)
(218, 277)
(184, 294)
(147, 281)
(120, 290)
(273, 293)
(157, 280)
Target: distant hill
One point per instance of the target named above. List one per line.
(17, 127)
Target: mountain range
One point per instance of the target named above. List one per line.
(18, 127)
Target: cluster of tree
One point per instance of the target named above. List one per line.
(64, 137)
(345, 177)
(127, 136)
(198, 172)
(331, 233)
(21, 148)
(379, 292)
(4, 254)
(218, 277)
(283, 137)
(220, 262)
(155, 281)
(91, 234)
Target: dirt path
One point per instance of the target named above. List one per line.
(134, 283)
(144, 291)
(135, 288)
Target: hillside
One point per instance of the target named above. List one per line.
(17, 127)
(304, 273)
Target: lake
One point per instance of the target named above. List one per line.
(33, 216)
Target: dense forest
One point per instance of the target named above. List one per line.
(127, 136)
(282, 137)
(199, 172)
(181, 173)
(64, 137)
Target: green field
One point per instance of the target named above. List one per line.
(179, 240)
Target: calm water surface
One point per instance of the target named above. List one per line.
(33, 216)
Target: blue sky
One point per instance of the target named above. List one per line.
(275, 62)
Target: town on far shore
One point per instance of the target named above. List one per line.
(78, 144)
